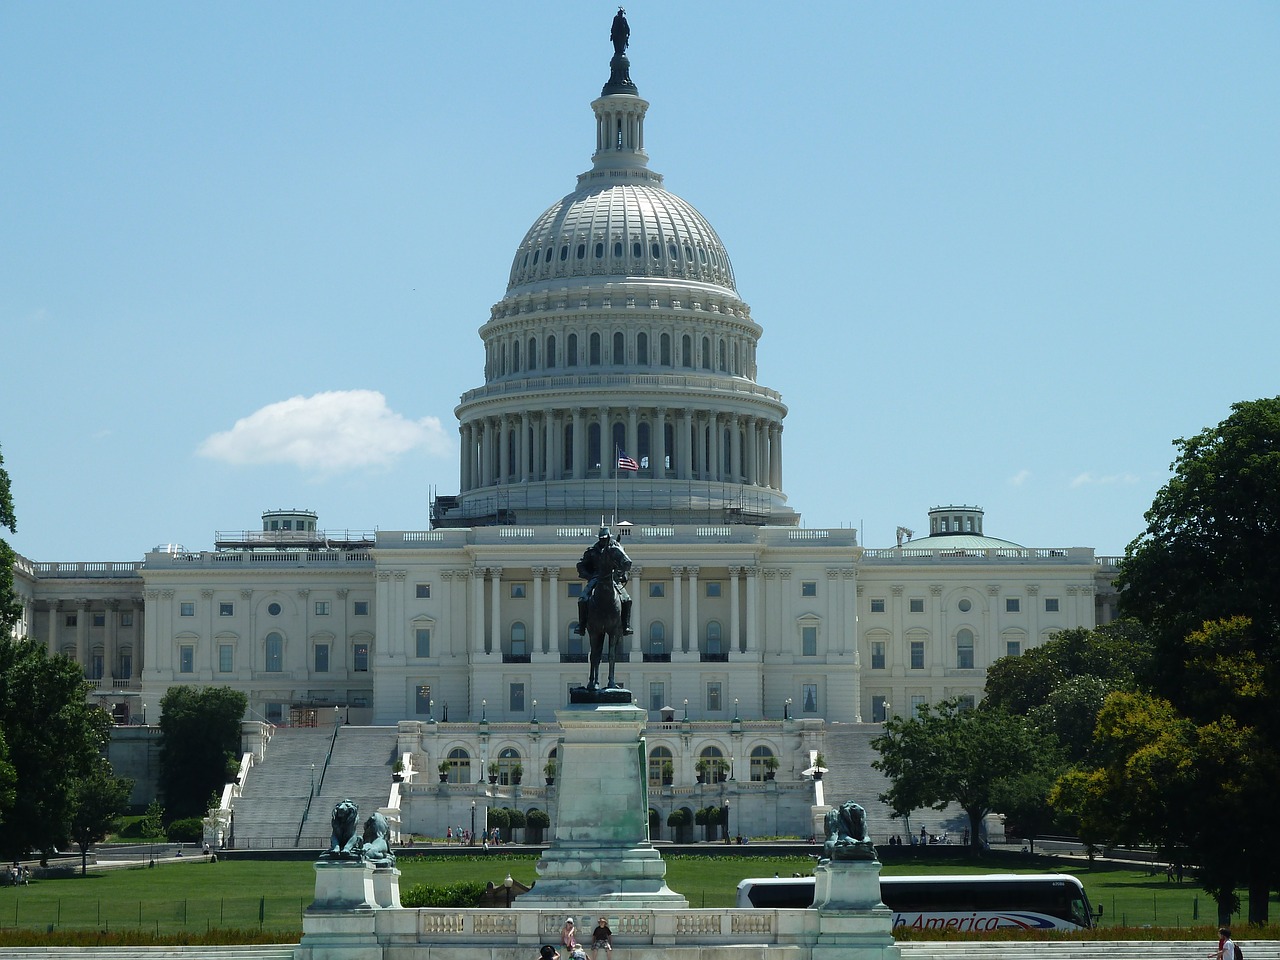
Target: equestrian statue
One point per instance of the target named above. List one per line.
(604, 608)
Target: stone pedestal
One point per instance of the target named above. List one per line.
(339, 924)
(600, 855)
(852, 919)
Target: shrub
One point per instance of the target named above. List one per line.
(465, 894)
(538, 818)
(190, 830)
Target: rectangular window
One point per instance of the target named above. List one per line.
(877, 606)
(573, 589)
(1013, 648)
(917, 604)
(515, 698)
(1050, 604)
(809, 588)
(186, 659)
(422, 591)
(126, 619)
(657, 696)
(422, 700)
(322, 658)
(879, 711)
(360, 608)
(809, 697)
(713, 697)
(713, 588)
(917, 654)
(71, 620)
(322, 608)
(657, 589)
(187, 608)
(126, 665)
(360, 657)
(808, 641)
(1012, 605)
(99, 619)
(877, 654)
(518, 591)
(226, 657)
(226, 609)
(916, 703)
(964, 650)
(422, 641)
(966, 703)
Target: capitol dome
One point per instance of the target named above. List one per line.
(620, 363)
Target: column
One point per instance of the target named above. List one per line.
(550, 462)
(717, 443)
(111, 641)
(504, 448)
(1033, 620)
(52, 640)
(658, 444)
(677, 634)
(751, 466)
(464, 459)
(695, 638)
(537, 608)
(636, 589)
(753, 610)
(554, 574)
(579, 445)
(82, 634)
(685, 471)
(495, 611)
(485, 453)
(633, 438)
(477, 612)
(607, 454)
(734, 641)
(524, 449)
(735, 450)
(775, 456)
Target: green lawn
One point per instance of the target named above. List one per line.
(196, 896)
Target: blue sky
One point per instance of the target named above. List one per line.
(1003, 253)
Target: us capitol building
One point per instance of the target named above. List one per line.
(621, 331)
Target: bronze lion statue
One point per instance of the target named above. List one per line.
(847, 836)
(377, 845)
(344, 842)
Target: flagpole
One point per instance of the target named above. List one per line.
(615, 483)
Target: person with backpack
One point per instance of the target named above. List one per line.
(1227, 948)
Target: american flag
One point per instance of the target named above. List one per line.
(626, 463)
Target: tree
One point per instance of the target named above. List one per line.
(8, 782)
(97, 800)
(54, 738)
(199, 745)
(10, 609)
(951, 753)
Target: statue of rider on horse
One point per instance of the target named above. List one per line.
(604, 609)
(605, 553)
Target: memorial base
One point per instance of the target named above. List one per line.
(853, 922)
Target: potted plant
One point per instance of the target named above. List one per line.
(397, 771)
(721, 769)
(517, 773)
(770, 767)
(550, 771)
(819, 766)
(701, 768)
(493, 772)
(668, 773)
(443, 767)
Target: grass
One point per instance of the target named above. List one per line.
(266, 898)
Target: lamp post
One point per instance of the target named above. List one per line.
(431, 711)
(484, 711)
(507, 883)
(473, 823)
(786, 709)
(144, 714)
(313, 779)
(726, 821)
(686, 708)
(534, 719)
(337, 716)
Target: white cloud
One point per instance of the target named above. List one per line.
(1088, 479)
(1019, 478)
(329, 432)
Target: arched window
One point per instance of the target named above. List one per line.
(642, 349)
(686, 351)
(619, 349)
(712, 765)
(664, 350)
(737, 368)
(661, 766)
(643, 450)
(594, 350)
(964, 648)
(619, 437)
(515, 357)
(567, 464)
(706, 353)
(503, 369)
(508, 760)
(715, 643)
(533, 354)
(459, 766)
(593, 446)
(762, 762)
(518, 646)
(721, 352)
(657, 639)
(273, 653)
(571, 351)
(551, 352)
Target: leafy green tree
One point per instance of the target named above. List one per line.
(54, 737)
(97, 801)
(950, 753)
(10, 609)
(152, 823)
(199, 744)
(8, 782)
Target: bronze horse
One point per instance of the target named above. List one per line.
(604, 618)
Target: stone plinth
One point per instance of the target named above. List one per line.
(340, 923)
(600, 854)
(852, 919)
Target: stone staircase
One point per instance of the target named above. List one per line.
(275, 793)
(850, 776)
(359, 770)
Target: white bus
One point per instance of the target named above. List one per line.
(962, 902)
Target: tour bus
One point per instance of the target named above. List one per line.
(1047, 901)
